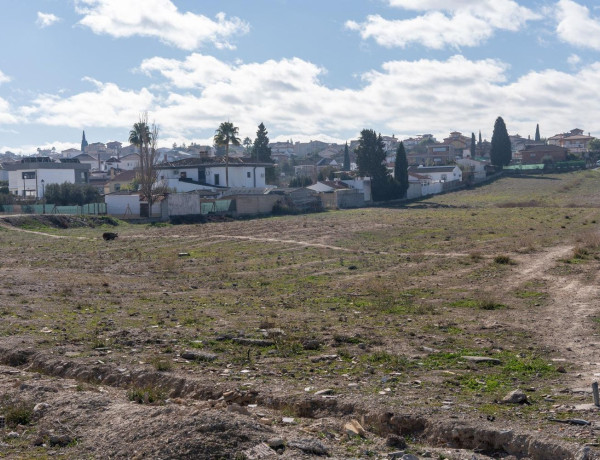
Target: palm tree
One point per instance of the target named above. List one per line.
(140, 135)
(225, 135)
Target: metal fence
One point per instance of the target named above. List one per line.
(48, 208)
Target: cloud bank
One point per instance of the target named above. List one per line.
(160, 19)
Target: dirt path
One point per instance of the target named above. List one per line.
(565, 324)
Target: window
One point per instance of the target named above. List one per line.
(444, 177)
(248, 174)
(183, 175)
(216, 179)
(117, 187)
(28, 174)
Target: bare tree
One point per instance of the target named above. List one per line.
(145, 137)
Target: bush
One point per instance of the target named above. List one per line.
(146, 395)
(67, 194)
(504, 260)
(18, 414)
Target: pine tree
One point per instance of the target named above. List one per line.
(346, 165)
(537, 132)
(501, 152)
(401, 170)
(472, 145)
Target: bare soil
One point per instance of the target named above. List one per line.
(216, 340)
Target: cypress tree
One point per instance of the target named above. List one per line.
(84, 143)
(261, 152)
(472, 145)
(537, 132)
(401, 170)
(501, 152)
(370, 159)
(346, 165)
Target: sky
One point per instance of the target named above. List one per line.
(307, 69)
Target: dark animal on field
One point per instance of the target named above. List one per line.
(109, 236)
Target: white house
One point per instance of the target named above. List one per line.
(210, 173)
(438, 173)
(129, 162)
(31, 175)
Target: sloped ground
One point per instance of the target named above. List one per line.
(285, 329)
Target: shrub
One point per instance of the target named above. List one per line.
(146, 395)
(504, 260)
(18, 414)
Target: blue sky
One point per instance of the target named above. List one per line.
(308, 69)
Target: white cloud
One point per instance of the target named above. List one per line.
(6, 114)
(445, 23)
(107, 106)
(573, 60)
(158, 18)
(46, 19)
(402, 98)
(576, 26)
(4, 78)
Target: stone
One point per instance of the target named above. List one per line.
(326, 391)
(310, 446)
(393, 440)
(253, 342)
(60, 441)
(12, 435)
(585, 453)
(276, 443)
(482, 359)
(275, 332)
(40, 407)
(311, 344)
(238, 409)
(318, 359)
(409, 457)
(396, 455)
(354, 428)
(515, 397)
(198, 356)
(289, 420)
(259, 452)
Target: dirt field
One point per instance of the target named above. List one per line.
(219, 340)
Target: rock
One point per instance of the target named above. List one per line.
(275, 332)
(276, 443)
(40, 407)
(396, 455)
(353, 428)
(259, 452)
(253, 342)
(311, 344)
(60, 441)
(324, 392)
(318, 359)
(198, 356)
(288, 420)
(238, 409)
(409, 457)
(12, 435)
(310, 446)
(482, 359)
(515, 397)
(393, 440)
(585, 453)
(184, 254)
